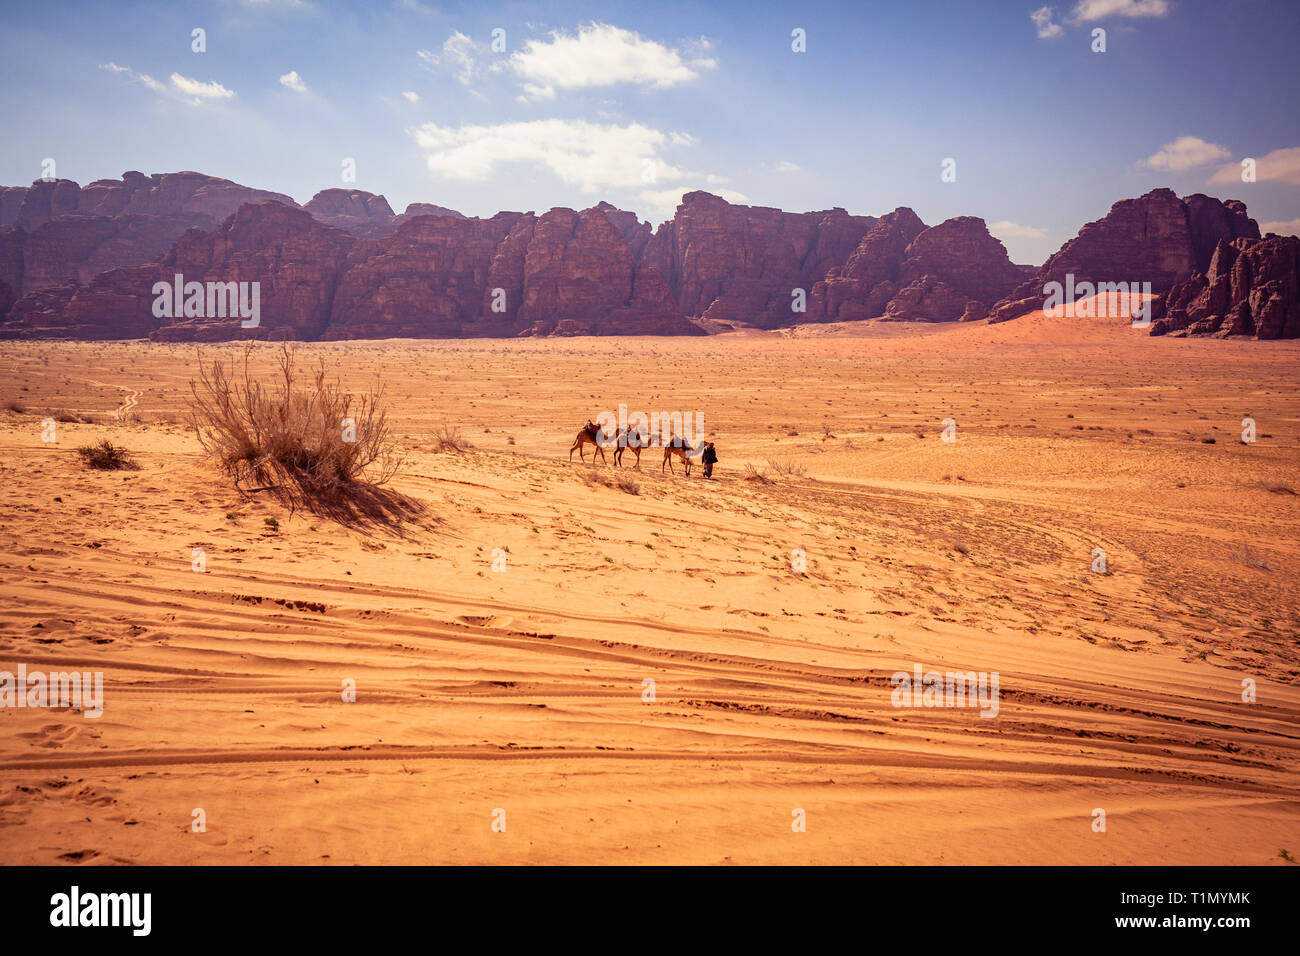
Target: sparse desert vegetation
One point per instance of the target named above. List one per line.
(106, 456)
(297, 434)
(500, 648)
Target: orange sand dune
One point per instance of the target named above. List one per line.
(524, 690)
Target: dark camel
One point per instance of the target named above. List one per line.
(589, 435)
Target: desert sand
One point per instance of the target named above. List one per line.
(522, 690)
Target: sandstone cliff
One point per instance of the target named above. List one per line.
(1157, 238)
(1251, 287)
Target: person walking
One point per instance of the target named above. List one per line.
(709, 458)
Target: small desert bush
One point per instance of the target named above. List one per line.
(449, 438)
(753, 474)
(791, 468)
(594, 478)
(106, 456)
(290, 435)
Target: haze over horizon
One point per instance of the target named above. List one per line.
(573, 103)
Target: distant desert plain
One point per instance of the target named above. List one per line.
(553, 667)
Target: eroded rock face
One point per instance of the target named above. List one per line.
(343, 267)
(73, 233)
(12, 240)
(353, 210)
(861, 288)
(1157, 238)
(294, 258)
(581, 270)
(905, 271)
(1251, 287)
(743, 263)
(428, 209)
(205, 198)
(926, 299)
(425, 280)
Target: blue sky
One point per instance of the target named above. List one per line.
(636, 103)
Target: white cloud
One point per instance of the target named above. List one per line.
(587, 155)
(1006, 229)
(198, 89)
(1086, 10)
(1184, 153)
(181, 88)
(1042, 18)
(1279, 166)
(294, 82)
(785, 166)
(1289, 228)
(602, 55)
(411, 96)
(459, 54)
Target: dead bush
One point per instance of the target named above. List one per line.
(299, 435)
(792, 469)
(449, 438)
(753, 474)
(106, 456)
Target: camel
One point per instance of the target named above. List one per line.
(627, 438)
(590, 434)
(677, 448)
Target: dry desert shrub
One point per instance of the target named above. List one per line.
(449, 438)
(299, 435)
(792, 469)
(106, 456)
(753, 474)
(593, 478)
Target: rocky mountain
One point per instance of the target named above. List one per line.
(1157, 238)
(70, 233)
(1250, 287)
(744, 263)
(82, 262)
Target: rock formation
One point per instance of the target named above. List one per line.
(70, 233)
(83, 262)
(1251, 287)
(353, 210)
(1157, 238)
(744, 263)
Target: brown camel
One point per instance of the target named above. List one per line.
(627, 438)
(589, 434)
(677, 448)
